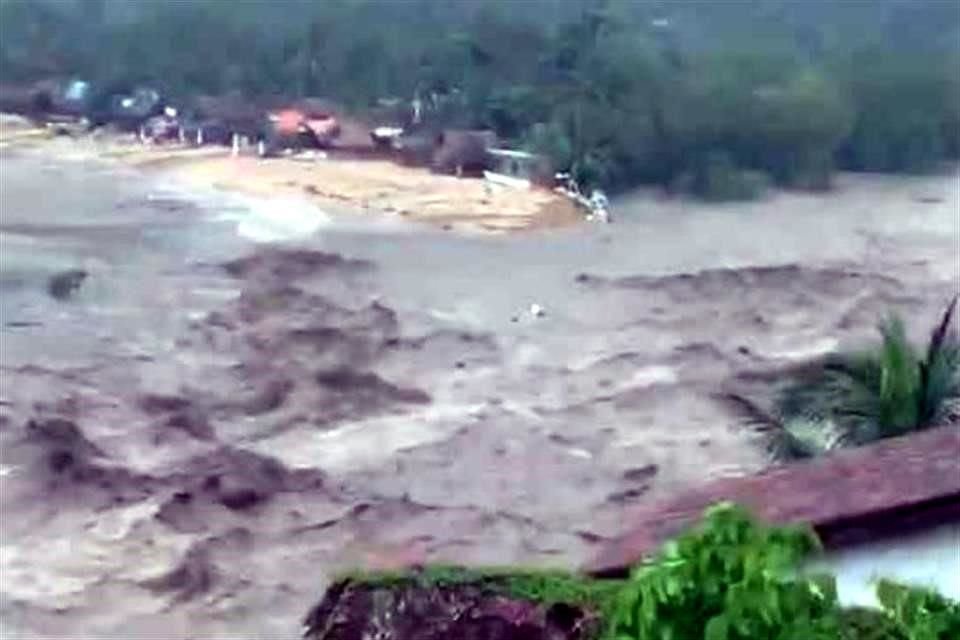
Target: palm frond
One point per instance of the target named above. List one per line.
(861, 397)
(812, 437)
(940, 336)
(940, 372)
(863, 367)
(900, 380)
(876, 391)
(791, 439)
(752, 414)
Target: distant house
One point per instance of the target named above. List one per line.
(517, 168)
(462, 151)
(890, 509)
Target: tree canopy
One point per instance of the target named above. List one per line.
(688, 93)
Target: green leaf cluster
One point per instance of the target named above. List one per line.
(921, 614)
(856, 398)
(887, 391)
(733, 578)
(730, 579)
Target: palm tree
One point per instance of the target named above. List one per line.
(858, 398)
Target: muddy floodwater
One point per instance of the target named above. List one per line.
(204, 427)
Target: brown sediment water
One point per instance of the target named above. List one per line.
(195, 439)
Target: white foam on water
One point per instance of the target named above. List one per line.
(521, 410)
(649, 376)
(365, 443)
(259, 219)
(59, 565)
(287, 219)
(281, 220)
(817, 349)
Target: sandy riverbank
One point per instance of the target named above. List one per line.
(332, 182)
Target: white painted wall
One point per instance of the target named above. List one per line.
(931, 558)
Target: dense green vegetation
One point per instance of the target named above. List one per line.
(858, 398)
(735, 579)
(731, 578)
(689, 94)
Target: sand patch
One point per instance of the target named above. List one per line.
(330, 181)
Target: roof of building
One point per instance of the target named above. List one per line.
(848, 497)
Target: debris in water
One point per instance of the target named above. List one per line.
(63, 285)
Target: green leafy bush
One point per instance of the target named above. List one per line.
(921, 614)
(731, 579)
(792, 128)
(736, 579)
(717, 179)
(862, 623)
(906, 117)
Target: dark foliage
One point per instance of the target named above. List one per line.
(696, 94)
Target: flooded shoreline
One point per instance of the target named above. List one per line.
(334, 180)
(210, 427)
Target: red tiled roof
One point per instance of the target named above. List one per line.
(859, 489)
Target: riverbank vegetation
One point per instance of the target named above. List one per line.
(732, 578)
(714, 98)
(856, 398)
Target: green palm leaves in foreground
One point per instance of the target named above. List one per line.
(894, 390)
(858, 398)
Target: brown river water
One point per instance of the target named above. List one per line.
(212, 425)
